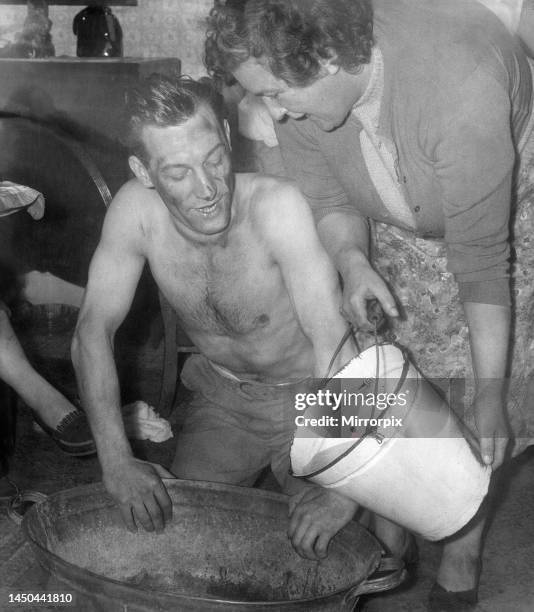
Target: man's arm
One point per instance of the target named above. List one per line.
(113, 276)
(308, 273)
(316, 514)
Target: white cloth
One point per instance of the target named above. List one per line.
(142, 423)
(13, 197)
(254, 120)
(46, 288)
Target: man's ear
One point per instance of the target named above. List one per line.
(226, 126)
(140, 171)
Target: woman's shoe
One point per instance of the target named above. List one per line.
(441, 600)
(72, 434)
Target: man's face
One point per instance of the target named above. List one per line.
(320, 101)
(189, 166)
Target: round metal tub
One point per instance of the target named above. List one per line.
(226, 548)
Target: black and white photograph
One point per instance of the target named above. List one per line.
(267, 305)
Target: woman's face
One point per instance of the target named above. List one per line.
(320, 101)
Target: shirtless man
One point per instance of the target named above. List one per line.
(238, 258)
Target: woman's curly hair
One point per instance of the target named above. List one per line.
(293, 36)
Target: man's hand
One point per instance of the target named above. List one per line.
(137, 488)
(316, 515)
(492, 426)
(359, 286)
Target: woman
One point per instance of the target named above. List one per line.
(412, 115)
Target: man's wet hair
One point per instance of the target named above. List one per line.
(292, 36)
(163, 101)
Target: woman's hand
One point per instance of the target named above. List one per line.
(360, 286)
(489, 331)
(345, 238)
(492, 425)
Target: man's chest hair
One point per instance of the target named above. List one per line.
(230, 292)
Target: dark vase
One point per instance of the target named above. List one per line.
(98, 31)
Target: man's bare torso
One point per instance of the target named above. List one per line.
(230, 297)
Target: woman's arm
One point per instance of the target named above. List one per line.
(346, 239)
(489, 329)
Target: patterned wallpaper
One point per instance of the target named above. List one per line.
(154, 28)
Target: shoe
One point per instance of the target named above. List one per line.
(441, 600)
(410, 557)
(72, 434)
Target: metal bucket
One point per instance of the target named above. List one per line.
(226, 548)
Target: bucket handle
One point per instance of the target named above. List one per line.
(377, 319)
(23, 497)
(375, 316)
(390, 574)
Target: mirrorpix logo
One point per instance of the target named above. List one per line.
(325, 408)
